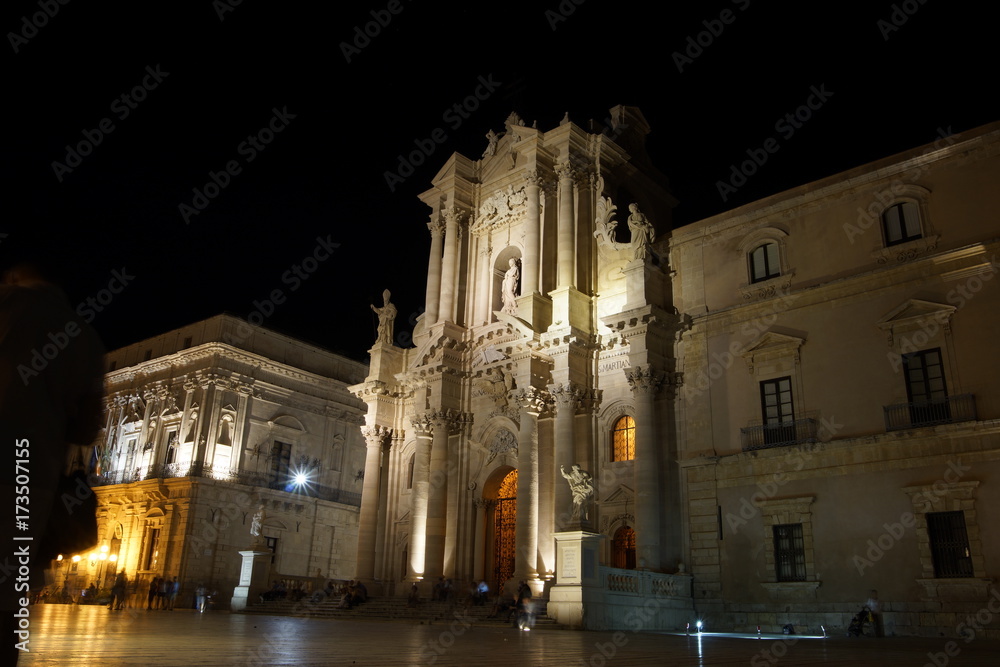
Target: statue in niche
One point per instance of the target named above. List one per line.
(642, 232)
(581, 484)
(509, 289)
(386, 318)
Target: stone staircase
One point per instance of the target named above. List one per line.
(393, 608)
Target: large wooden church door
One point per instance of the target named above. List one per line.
(504, 520)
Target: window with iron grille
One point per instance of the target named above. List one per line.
(949, 544)
(623, 440)
(789, 552)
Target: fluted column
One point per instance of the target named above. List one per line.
(485, 288)
(424, 429)
(566, 398)
(532, 237)
(532, 403)
(433, 299)
(645, 382)
(566, 260)
(375, 439)
(449, 264)
(479, 566)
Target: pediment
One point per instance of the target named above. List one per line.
(774, 343)
(622, 494)
(915, 311)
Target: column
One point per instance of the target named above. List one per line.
(566, 398)
(395, 444)
(375, 438)
(645, 382)
(448, 266)
(423, 428)
(484, 292)
(532, 403)
(242, 426)
(564, 228)
(437, 496)
(434, 272)
(479, 565)
(532, 237)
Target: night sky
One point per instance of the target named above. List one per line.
(299, 119)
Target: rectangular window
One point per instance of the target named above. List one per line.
(147, 355)
(281, 455)
(777, 411)
(949, 544)
(901, 223)
(789, 552)
(187, 343)
(272, 546)
(925, 387)
(152, 549)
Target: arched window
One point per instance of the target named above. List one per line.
(901, 223)
(623, 549)
(764, 263)
(409, 471)
(623, 440)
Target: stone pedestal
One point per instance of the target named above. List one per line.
(570, 308)
(253, 578)
(577, 561)
(536, 310)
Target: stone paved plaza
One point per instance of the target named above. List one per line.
(68, 635)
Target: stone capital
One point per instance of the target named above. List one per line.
(532, 401)
(566, 396)
(436, 227)
(643, 380)
(376, 436)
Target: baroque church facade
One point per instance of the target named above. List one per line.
(752, 420)
(206, 427)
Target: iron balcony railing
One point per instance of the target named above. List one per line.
(950, 410)
(763, 436)
(245, 477)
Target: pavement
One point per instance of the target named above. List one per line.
(71, 635)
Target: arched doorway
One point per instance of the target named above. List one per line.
(623, 548)
(504, 520)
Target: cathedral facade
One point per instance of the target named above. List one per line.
(768, 417)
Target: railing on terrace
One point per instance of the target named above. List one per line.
(961, 408)
(785, 434)
(646, 584)
(245, 477)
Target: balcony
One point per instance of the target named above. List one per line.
(950, 410)
(765, 436)
(245, 477)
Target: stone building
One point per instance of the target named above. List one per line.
(839, 415)
(773, 411)
(204, 426)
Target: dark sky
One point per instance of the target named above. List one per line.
(348, 108)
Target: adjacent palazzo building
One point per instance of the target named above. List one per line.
(205, 425)
(780, 408)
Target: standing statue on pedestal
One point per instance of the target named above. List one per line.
(509, 290)
(581, 484)
(257, 525)
(642, 232)
(386, 318)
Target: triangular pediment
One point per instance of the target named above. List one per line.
(622, 494)
(915, 310)
(772, 342)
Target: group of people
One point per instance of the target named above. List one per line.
(162, 593)
(352, 594)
